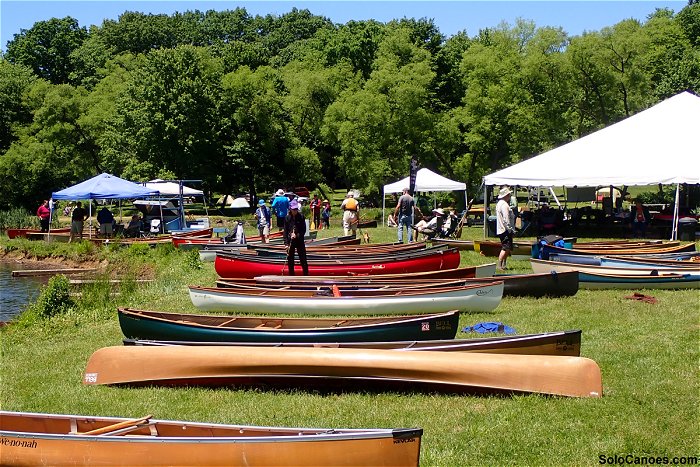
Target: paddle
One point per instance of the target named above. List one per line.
(117, 426)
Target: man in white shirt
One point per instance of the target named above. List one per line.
(505, 227)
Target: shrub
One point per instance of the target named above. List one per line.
(54, 298)
(192, 261)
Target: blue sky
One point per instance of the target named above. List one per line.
(450, 16)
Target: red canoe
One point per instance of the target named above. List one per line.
(244, 266)
(15, 233)
(181, 239)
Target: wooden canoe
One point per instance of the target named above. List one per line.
(462, 245)
(51, 439)
(628, 262)
(324, 367)
(515, 285)
(542, 266)
(483, 270)
(493, 248)
(145, 324)
(566, 343)
(238, 266)
(23, 233)
(547, 250)
(477, 297)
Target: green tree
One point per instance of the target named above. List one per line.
(46, 48)
(15, 80)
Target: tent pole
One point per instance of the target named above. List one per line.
(486, 219)
(674, 229)
(90, 224)
(383, 205)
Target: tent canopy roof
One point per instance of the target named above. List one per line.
(104, 186)
(426, 180)
(657, 145)
(171, 188)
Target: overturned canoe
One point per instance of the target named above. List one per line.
(51, 439)
(145, 324)
(477, 297)
(324, 367)
(549, 343)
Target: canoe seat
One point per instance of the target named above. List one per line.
(265, 325)
(226, 322)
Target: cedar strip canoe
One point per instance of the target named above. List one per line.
(589, 280)
(627, 262)
(22, 233)
(462, 245)
(493, 248)
(547, 250)
(542, 266)
(50, 439)
(476, 297)
(567, 343)
(144, 324)
(553, 284)
(246, 267)
(320, 367)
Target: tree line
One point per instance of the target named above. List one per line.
(251, 103)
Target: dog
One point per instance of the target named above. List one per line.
(365, 236)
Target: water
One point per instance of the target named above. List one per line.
(17, 292)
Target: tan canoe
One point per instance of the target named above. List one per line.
(48, 439)
(324, 367)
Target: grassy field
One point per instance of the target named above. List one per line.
(648, 355)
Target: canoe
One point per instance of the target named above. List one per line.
(521, 250)
(589, 280)
(547, 250)
(53, 439)
(22, 233)
(543, 266)
(516, 285)
(477, 297)
(367, 224)
(341, 368)
(238, 266)
(462, 245)
(627, 262)
(566, 343)
(144, 324)
(207, 253)
(483, 270)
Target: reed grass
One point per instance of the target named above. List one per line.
(648, 354)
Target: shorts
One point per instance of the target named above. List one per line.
(264, 230)
(280, 222)
(506, 241)
(76, 227)
(105, 228)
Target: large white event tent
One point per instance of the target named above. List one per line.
(426, 180)
(168, 188)
(656, 146)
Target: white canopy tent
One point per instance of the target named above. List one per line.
(167, 188)
(656, 146)
(426, 180)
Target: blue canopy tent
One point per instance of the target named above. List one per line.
(104, 186)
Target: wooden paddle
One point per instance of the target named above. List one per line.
(117, 426)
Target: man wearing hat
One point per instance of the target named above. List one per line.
(281, 206)
(294, 232)
(263, 216)
(429, 228)
(504, 226)
(403, 213)
(351, 214)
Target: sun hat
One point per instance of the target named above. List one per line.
(505, 191)
(279, 192)
(294, 204)
(261, 202)
(439, 211)
(350, 193)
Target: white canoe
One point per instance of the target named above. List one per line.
(477, 297)
(541, 266)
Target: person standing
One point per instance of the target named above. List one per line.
(315, 206)
(640, 219)
(106, 221)
(263, 216)
(504, 226)
(281, 206)
(326, 214)
(294, 233)
(351, 218)
(403, 213)
(78, 217)
(44, 215)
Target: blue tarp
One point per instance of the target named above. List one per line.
(104, 186)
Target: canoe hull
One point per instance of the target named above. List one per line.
(471, 298)
(187, 443)
(227, 266)
(609, 281)
(173, 326)
(542, 266)
(557, 284)
(190, 365)
(566, 343)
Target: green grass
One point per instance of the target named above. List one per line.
(648, 355)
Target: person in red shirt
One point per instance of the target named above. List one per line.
(316, 211)
(44, 215)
